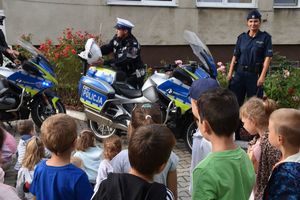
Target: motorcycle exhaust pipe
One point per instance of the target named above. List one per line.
(103, 120)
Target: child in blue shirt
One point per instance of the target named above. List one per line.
(56, 178)
(284, 134)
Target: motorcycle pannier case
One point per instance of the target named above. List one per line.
(95, 92)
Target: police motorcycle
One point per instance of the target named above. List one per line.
(108, 100)
(26, 89)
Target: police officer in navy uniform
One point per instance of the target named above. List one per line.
(251, 60)
(126, 51)
(4, 49)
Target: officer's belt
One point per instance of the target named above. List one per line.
(247, 68)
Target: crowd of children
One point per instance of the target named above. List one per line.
(76, 168)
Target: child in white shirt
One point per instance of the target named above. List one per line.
(112, 146)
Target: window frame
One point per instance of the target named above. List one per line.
(173, 3)
(226, 4)
(287, 5)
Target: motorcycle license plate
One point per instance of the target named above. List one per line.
(92, 98)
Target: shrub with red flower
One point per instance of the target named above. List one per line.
(63, 56)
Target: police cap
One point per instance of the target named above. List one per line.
(254, 14)
(123, 24)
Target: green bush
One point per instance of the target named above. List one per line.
(283, 86)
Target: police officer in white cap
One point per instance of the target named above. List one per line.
(126, 51)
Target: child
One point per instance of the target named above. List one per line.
(255, 115)
(56, 178)
(112, 146)
(227, 172)
(201, 147)
(284, 128)
(9, 148)
(33, 155)
(144, 114)
(89, 153)
(151, 141)
(26, 130)
(6, 192)
(77, 162)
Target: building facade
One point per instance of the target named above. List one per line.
(159, 24)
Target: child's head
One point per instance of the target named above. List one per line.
(150, 148)
(112, 146)
(284, 128)
(218, 112)
(25, 127)
(58, 133)
(35, 151)
(77, 162)
(198, 87)
(144, 114)
(85, 140)
(255, 113)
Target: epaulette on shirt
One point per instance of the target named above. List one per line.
(265, 32)
(242, 34)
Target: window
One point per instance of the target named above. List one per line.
(143, 2)
(227, 3)
(285, 3)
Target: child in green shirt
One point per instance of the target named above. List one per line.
(227, 172)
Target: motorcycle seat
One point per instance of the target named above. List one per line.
(126, 91)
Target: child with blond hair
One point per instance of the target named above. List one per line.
(57, 178)
(284, 127)
(112, 146)
(33, 155)
(89, 153)
(255, 115)
(26, 130)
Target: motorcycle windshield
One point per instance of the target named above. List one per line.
(202, 52)
(29, 47)
(43, 62)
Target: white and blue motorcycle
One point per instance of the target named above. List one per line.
(108, 100)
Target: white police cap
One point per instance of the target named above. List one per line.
(123, 24)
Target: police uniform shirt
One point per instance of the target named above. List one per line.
(251, 51)
(126, 53)
(3, 48)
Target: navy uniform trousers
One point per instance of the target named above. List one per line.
(243, 84)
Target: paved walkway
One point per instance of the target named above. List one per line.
(183, 169)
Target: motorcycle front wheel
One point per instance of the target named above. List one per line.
(101, 131)
(41, 111)
(188, 138)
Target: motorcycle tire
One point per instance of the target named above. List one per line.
(101, 131)
(40, 112)
(188, 138)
